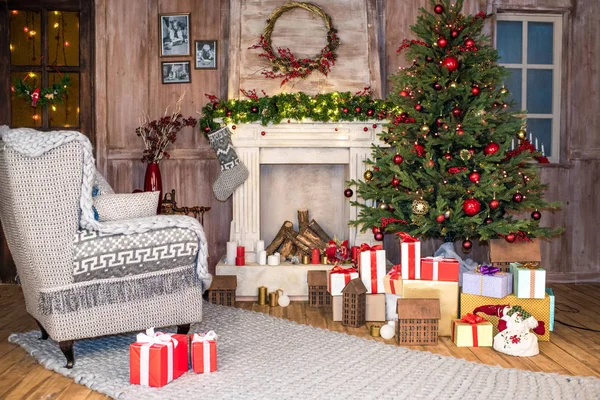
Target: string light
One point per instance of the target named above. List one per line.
(14, 12)
(32, 33)
(32, 74)
(25, 29)
(66, 44)
(53, 108)
(35, 117)
(56, 25)
(11, 47)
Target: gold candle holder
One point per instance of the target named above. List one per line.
(274, 299)
(375, 330)
(324, 259)
(305, 259)
(262, 295)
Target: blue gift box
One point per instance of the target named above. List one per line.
(497, 285)
(551, 295)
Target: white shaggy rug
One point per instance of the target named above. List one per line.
(262, 357)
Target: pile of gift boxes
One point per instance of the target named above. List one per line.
(505, 283)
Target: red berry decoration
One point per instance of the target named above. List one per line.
(206, 129)
(448, 156)
(491, 148)
(475, 91)
(467, 244)
(418, 107)
(471, 207)
(438, 9)
(375, 229)
(442, 42)
(378, 236)
(348, 192)
(403, 93)
(517, 197)
(420, 149)
(494, 204)
(474, 177)
(488, 221)
(456, 111)
(395, 182)
(398, 159)
(254, 109)
(510, 238)
(358, 110)
(469, 43)
(370, 112)
(451, 63)
(345, 110)
(440, 218)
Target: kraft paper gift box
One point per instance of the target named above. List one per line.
(440, 269)
(336, 307)
(372, 265)
(539, 308)
(472, 331)
(446, 292)
(550, 293)
(410, 256)
(204, 352)
(392, 281)
(155, 359)
(498, 284)
(391, 307)
(529, 280)
(339, 278)
(375, 307)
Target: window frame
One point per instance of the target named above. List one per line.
(556, 67)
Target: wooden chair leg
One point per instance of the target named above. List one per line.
(67, 348)
(183, 329)
(44, 333)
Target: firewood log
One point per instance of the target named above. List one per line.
(316, 228)
(280, 237)
(302, 220)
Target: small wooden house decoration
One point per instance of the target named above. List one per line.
(418, 321)
(354, 303)
(222, 290)
(503, 253)
(317, 289)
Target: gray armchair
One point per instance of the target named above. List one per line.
(82, 278)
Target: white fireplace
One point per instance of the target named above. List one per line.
(346, 144)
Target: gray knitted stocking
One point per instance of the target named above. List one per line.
(233, 172)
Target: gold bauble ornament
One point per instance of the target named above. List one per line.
(383, 206)
(503, 90)
(420, 207)
(447, 214)
(465, 155)
(521, 134)
(453, 85)
(368, 175)
(424, 128)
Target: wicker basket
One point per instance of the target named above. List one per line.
(317, 289)
(418, 321)
(222, 290)
(354, 303)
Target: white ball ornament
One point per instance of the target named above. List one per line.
(387, 332)
(284, 300)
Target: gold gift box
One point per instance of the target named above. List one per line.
(446, 292)
(539, 308)
(462, 334)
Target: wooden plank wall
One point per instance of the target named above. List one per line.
(128, 82)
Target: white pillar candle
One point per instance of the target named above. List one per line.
(260, 245)
(262, 257)
(231, 252)
(250, 256)
(278, 258)
(273, 260)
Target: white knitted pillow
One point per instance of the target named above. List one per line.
(114, 207)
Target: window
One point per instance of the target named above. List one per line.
(529, 46)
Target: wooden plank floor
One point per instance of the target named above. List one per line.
(571, 351)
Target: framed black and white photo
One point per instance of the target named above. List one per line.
(175, 34)
(176, 72)
(206, 54)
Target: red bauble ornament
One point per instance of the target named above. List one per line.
(454, 34)
(228, 113)
(536, 215)
(403, 93)
(395, 182)
(456, 111)
(472, 151)
(437, 86)
(488, 220)
(375, 229)
(469, 43)
(348, 192)
(428, 59)
(263, 133)
(206, 129)
(451, 63)
(345, 110)
(366, 129)
(254, 109)
(442, 42)
(370, 112)
(418, 107)
(474, 177)
(510, 238)
(440, 218)
(471, 207)
(517, 197)
(491, 148)
(398, 159)
(494, 204)
(439, 121)
(438, 9)
(467, 244)
(460, 131)
(358, 110)
(378, 236)
(475, 91)
(448, 156)
(233, 127)
(430, 163)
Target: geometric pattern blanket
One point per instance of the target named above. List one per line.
(100, 255)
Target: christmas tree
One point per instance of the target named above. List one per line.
(448, 169)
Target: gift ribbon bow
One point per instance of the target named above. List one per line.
(339, 270)
(205, 340)
(488, 269)
(395, 272)
(473, 320)
(532, 267)
(150, 338)
(407, 238)
(366, 247)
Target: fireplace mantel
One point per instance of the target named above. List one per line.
(297, 143)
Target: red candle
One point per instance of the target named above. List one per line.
(316, 256)
(240, 261)
(241, 251)
(354, 252)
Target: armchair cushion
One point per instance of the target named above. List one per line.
(114, 207)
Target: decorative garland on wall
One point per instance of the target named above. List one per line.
(284, 63)
(287, 107)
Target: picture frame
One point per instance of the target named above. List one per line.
(174, 34)
(206, 54)
(176, 72)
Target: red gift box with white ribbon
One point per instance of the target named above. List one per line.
(440, 269)
(410, 256)
(372, 267)
(204, 352)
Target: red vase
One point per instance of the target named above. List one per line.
(153, 181)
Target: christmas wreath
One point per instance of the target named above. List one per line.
(283, 62)
(49, 95)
